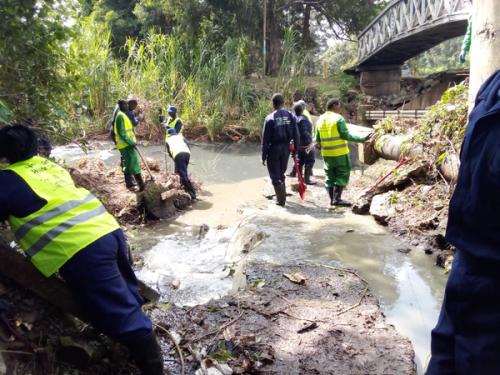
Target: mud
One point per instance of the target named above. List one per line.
(36, 338)
(413, 207)
(330, 324)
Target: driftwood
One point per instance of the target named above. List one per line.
(392, 147)
(16, 267)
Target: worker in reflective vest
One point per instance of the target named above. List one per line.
(332, 136)
(65, 229)
(173, 121)
(125, 141)
(179, 151)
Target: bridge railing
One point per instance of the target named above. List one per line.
(402, 17)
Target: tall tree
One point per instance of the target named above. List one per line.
(485, 48)
(33, 34)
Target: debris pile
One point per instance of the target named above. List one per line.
(412, 201)
(413, 88)
(298, 319)
(162, 199)
(37, 338)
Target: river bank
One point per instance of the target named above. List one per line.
(195, 260)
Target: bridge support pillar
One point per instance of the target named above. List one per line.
(381, 80)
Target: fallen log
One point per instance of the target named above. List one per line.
(17, 268)
(395, 147)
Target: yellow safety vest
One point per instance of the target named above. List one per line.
(71, 220)
(129, 129)
(331, 143)
(171, 124)
(177, 145)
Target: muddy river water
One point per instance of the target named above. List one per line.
(410, 288)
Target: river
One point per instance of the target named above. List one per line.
(409, 287)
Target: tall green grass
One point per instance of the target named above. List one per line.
(206, 83)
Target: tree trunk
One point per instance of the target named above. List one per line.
(390, 147)
(306, 31)
(17, 268)
(485, 48)
(274, 39)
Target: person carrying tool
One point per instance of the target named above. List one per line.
(332, 136)
(179, 151)
(64, 229)
(305, 151)
(173, 121)
(279, 137)
(126, 143)
(307, 114)
(466, 339)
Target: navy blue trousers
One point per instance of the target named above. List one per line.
(305, 158)
(181, 162)
(105, 285)
(466, 339)
(277, 161)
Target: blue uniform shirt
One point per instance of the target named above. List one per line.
(16, 197)
(305, 131)
(474, 216)
(279, 128)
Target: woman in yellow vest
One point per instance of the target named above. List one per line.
(125, 141)
(332, 136)
(65, 229)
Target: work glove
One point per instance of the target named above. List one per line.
(369, 136)
(462, 57)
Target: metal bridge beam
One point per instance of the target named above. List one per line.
(406, 28)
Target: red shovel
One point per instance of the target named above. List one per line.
(302, 186)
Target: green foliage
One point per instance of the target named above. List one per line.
(222, 355)
(448, 118)
(393, 198)
(439, 134)
(93, 71)
(440, 58)
(65, 64)
(291, 75)
(5, 112)
(33, 33)
(338, 57)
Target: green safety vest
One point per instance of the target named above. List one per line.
(331, 143)
(171, 124)
(177, 145)
(129, 130)
(71, 220)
